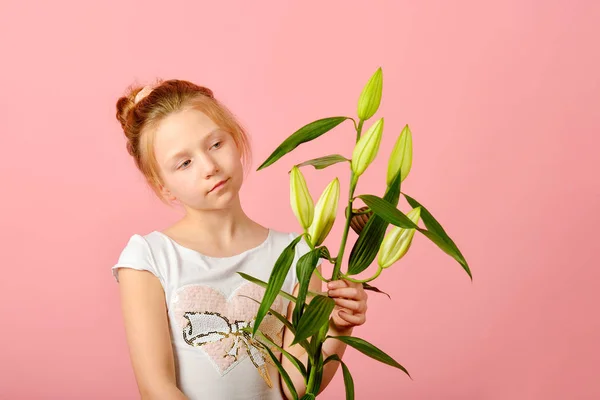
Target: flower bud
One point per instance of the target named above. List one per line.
(401, 157)
(370, 98)
(300, 198)
(397, 241)
(325, 212)
(366, 148)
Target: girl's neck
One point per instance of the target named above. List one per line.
(221, 226)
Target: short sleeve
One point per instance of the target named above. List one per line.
(137, 255)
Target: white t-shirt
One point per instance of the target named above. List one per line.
(206, 307)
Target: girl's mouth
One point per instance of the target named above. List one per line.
(219, 185)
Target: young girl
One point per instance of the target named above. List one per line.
(183, 302)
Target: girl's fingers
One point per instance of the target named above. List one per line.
(357, 319)
(347, 292)
(355, 306)
(337, 284)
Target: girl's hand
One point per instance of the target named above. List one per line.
(350, 303)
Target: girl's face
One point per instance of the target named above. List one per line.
(194, 155)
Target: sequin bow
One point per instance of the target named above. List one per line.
(210, 327)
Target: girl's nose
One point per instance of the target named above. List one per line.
(209, 166)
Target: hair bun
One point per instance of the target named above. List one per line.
(124, 105)
(206, 91)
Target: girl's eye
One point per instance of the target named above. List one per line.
(217, 144)
(183, 165)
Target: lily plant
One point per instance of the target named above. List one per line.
(312, 311)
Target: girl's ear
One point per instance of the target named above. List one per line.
(166, 193)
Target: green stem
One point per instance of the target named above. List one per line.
(321, 276)
(353, 181)
(311, 378)
(316, 365)
(363, 280)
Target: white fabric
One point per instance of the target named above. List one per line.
(214, 359)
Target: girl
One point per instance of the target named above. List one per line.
(183, 302)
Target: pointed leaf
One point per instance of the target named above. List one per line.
(370, 350)
(394, 216)
(276, 279)
(304, 134)
(264, 284)
(319, 367)
(325, 253)
(276, 314)
(387, 211)
(434, 226)
(324, 162)
(294, 360)
(348, 381)
(282, 293)
(308, 396)
(366, 286)
(304, 343)
(304, 270)
(367, 245)
(284, 375)
(316, 314)
(317, 339)
(448, 249)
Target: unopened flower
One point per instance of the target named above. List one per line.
(401, 157)
(325, 212)
(397, 241)
(370, 97)
(366, 148)
(300, 198)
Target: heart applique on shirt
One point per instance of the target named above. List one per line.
(211, 322)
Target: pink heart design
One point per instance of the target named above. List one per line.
(220, 317)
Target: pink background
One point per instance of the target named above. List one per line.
(502, 99)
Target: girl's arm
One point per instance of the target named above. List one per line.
(330, 346)
(146, 326)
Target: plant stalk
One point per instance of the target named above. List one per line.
(314, 360)
(311, 379)
(353, 181)
(364, 280)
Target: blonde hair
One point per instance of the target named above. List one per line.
(139, 120)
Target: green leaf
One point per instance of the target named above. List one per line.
(276, 279)
(448, 249)
(348, 381)
(302, 135)
(322, 334)
(284, 320)
(325, 161)
(316, 314)
(295, 361)
(434, 226)
(387, 211)
(304, 270)
(370, 350)
(308, 396)
(325, 253)
(319, 367)
(264, 284)
(366, 286)
(276, 314)
(394, 216)
(367, 245)
(284, 375)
